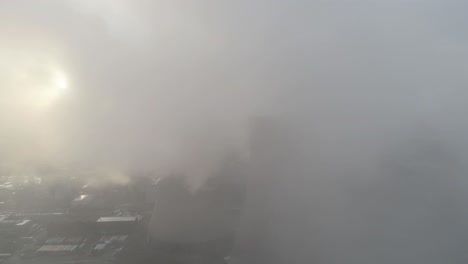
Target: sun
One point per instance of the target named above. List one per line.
(60, 80)
(53, 89)
(33, 84)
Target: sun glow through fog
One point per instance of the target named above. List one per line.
(60, 80)
(53, 89)
(44, 89)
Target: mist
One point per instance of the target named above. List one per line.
(145, 91)
(363, 160)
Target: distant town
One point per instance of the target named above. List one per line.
(66, 220)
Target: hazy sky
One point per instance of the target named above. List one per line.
(149, 84)
(174, 83)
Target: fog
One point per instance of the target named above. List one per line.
(363, 160)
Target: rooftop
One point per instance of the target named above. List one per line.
(118, 219)
(57, 248)
(80, 198)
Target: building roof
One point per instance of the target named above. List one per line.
(23, 222)
(57, 248)
(117, 219)
(100, 246)
(80, 198)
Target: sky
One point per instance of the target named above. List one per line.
(143, 89)
(153, 78)
(169, 86)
